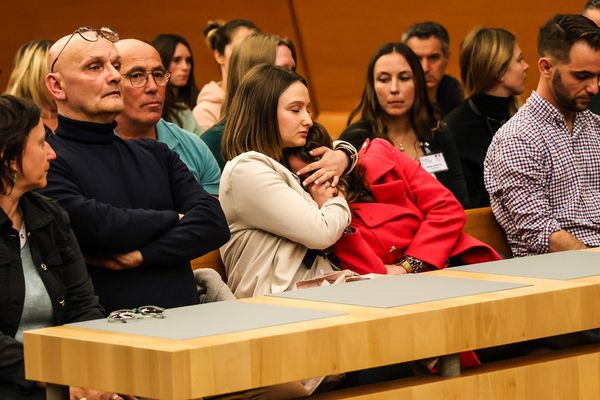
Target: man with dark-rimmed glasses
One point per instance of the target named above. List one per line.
(143, 89)
(138, 213)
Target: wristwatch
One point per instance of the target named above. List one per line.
(412, 265)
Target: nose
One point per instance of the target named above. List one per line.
(526, 66)
(114, 76)
(151, 86)
(425, 64)
(394, 86)
(50, 154)
(593, 88)
(307, 121)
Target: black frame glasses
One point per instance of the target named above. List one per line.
(139, 79)
(142, 312)
(91, 35)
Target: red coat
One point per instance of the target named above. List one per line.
(414, 214)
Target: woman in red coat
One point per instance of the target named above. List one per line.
(403, 219)
(406, 221)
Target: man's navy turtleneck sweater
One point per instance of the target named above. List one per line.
(127, 195)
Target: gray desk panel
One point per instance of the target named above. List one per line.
(559, 266)
(210, 319)
(398, 290)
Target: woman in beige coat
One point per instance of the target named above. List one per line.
(278, 230)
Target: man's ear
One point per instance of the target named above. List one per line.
(545, 66)
(54, 86)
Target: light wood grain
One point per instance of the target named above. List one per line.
(569, 374)
(365, 337)
(482, 225)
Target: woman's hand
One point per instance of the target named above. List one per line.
(393, 269)
(330, 167)
(322, 192)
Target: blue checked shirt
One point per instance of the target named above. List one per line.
(542, 179)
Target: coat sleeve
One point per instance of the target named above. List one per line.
(355, 254)
(203, 227)
(263, 200)
(443, 216)
(81, 304)
(515, 176)
(96, 223)
(207, 166)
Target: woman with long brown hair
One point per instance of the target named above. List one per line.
(277, 228)
(394, 106)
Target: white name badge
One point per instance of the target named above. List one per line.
(434, 163)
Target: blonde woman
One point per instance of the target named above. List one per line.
(493, 72)
(27, 79)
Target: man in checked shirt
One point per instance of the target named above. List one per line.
(542, 169)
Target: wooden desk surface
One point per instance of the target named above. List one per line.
(364, 337)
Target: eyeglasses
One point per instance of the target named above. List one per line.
(136, 313)
(139, 79)
(91, 35)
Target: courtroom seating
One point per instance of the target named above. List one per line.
(482, 225)
(211, 260)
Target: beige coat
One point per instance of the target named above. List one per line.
(273, 221)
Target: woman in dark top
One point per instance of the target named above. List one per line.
(394, 106)
(182, 92)
(43, 278)
(493, 72)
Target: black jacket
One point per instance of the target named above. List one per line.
(60, 264)
(442, 142)
(473, 125)
(127, 195)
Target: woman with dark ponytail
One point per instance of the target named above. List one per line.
(221, 38)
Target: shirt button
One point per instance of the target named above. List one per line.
(44, 268)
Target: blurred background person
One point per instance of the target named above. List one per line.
(221, 38)
(431, 43)
(27, 79)
(182, 92)
(493, 72)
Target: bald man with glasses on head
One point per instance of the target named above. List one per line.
(143, 90)
(137, 211)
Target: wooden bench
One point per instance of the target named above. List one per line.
(211, 260)
(567, 374)
(482, 225)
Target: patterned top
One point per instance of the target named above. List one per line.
(542, 179)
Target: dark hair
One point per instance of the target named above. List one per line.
(317, 137)
(354, 186)
(421, 113)
(425, 30)
(187, 96)
(591, 4)
(17, 118)
(218, 34)
(557, 36)
(252, 123)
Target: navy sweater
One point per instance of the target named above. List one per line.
(124, 196)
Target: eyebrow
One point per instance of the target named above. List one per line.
(139, 68)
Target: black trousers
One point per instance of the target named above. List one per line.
(9, 391)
